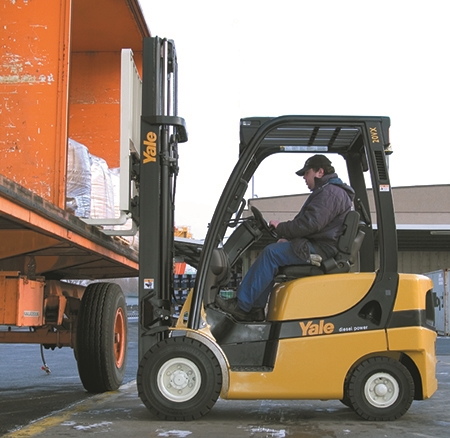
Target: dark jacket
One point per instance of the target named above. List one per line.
(321, 218)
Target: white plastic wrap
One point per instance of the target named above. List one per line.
(102, 190)
(78, 186)
(93, 189)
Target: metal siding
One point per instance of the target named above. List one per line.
(442, 310)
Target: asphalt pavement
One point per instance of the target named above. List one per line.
(28, 392)
(122, 414)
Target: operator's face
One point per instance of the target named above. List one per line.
(310, 176)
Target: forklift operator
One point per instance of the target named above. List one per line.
(309, 237)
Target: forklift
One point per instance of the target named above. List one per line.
(353, 329)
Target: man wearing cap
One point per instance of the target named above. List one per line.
(306, 239)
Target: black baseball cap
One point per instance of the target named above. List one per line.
(314, 162)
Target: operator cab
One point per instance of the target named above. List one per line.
(357, 142)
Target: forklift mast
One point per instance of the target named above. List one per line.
(161, 131)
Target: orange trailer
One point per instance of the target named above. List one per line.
(60, 79)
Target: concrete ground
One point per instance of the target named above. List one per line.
(122, 414)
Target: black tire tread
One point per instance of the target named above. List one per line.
(96, 364)
(186, 411)
(380, 364)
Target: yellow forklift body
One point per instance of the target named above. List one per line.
(419, 344)
(308, 367)
(313, 297)
(411, 293)
(302, 371)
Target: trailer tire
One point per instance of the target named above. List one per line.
(101, 343)
(380, 389)
(179, 378)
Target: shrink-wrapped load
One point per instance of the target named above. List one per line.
(78, 186)
(102, 190)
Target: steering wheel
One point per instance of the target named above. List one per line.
(262, 222)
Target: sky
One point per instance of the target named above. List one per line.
(324, 57)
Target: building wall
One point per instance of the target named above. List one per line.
(420, 262)
(423, 207)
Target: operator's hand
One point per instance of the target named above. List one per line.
(274, 224)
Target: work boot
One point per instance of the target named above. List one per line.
(231, 307)
(315, 259)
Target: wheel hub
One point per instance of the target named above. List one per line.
(381, 390)
(179, 379)
(119, 338)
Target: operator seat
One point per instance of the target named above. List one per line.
(348, 246)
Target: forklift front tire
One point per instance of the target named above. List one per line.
(380, 389)
(179, 378)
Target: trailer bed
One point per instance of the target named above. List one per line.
(40, 239)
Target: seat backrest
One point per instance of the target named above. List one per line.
(351, 225)
(348, 246)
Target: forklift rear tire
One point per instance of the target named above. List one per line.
(345, 400)
(380, 389)
(101, 344)
(179, 378)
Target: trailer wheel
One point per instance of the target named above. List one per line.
(101, 344)
(179, 379)
(380, 389)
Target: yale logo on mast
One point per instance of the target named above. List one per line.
(150, 150)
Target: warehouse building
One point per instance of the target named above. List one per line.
(422, 217)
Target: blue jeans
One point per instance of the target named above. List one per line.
(257, 284)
